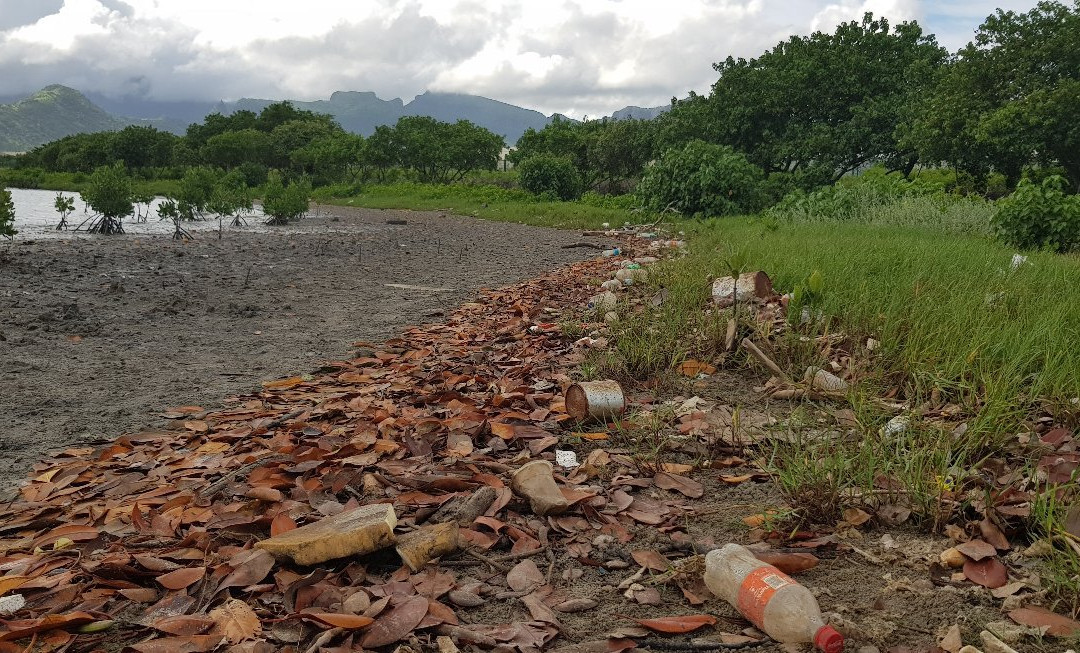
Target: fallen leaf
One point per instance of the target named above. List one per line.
(1006, 591)
(8, 583)
(181, 578)
(681, 484)
(856, 517)
(1072, 521)
(677, 625)
(952, 642)
(249, 569)
(1055, 624)
(397, 623)
(993, 535)
(977, 549)
(693, 368)
(283, 523)
(183, 625)
(235, 621)
(18, 629)
(283, 384)
(651, 559)
(337, 620)
(736, 480)
(988, 572)
(524, 575)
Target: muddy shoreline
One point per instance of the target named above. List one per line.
(99, 335)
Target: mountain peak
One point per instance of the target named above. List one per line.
(53, 112)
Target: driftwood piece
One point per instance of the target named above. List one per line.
(464, 510)
(425, 544)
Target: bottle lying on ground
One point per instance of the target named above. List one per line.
(769, 598)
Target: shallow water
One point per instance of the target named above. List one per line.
(36, 218)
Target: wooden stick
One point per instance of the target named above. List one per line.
(765, 360)
(483, 558)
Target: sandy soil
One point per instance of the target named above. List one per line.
(100, 335)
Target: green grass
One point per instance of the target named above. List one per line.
(954, 321)
(76, 181)
(483, 201)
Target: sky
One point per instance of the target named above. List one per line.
(580, 58)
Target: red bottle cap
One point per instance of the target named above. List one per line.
(829, 640)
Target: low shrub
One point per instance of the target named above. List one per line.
(550, 177)
(702, 178)
(1040, 215)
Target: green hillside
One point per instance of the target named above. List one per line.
(51, 113)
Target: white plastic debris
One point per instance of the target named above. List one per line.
(605, 301)
(1018, 260)
(11, 604)
(612, 285)
(826, 381)
(566, 459)
(896, 425)
(872, 344)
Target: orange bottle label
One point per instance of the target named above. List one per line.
(758, 589)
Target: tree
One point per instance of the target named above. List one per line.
(7, 214)
(618, 151)
(195, 191)
(142, 147)
(285, 203)
(65, 206)
(713, 180)
(109, 194)
(169, 209)
(233, 148)
(442, 152)
(1009, 98)
(328, 158)
(231, 198)
(827, 101)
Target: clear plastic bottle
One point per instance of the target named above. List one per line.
(769, 598)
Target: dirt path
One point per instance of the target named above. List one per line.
(99, 335)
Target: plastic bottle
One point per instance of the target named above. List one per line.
(771, 600)
(608, 253)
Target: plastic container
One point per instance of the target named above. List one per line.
(769, 598)
(535, 482)
(608, 253)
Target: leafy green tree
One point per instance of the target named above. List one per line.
(214, 124)
(618, 151)
(196, 189)
(827, 101)
(550, 176)
(143, 200)
(561, 137)
(442, 152)
(231, 198)
(1009, 98)
(284, 204)
(109, 194)
(381, 152)
(7, 214)
(65, 206)
(703, 178)
(294, 135)
(142, 147)
(169, 209)
(231, 149)
(328, 158)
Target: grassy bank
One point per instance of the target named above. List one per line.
(957, 325)
(483, 201)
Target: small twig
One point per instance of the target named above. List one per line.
(519, 555)
(583, 245)
(219, 485)
(483, 558)
(749, 345)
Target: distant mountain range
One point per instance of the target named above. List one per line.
(58, 111)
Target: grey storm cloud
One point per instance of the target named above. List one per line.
(590, 57)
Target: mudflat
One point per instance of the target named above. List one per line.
(101, 335)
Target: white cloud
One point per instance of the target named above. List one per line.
(571, 56)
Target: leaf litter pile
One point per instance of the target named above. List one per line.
(374, 504)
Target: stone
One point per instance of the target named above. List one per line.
(357, 532)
